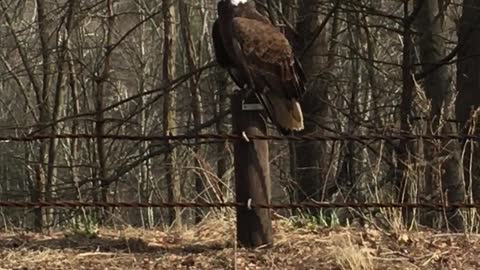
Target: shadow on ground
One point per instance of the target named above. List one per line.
(82, 243)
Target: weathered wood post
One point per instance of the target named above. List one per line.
(252, 173)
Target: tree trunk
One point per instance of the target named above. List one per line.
(221, 82)
(100, 114)
(58, 102)
(404, 148)
(311, 159)
(195, 97)
(437, 89)
(169, 109)
(468, 98)
(43, 104)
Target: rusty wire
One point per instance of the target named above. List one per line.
(303, 205)
(234, 137)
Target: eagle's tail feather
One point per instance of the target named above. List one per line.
(286, 113)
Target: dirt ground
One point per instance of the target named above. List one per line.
(212, 246)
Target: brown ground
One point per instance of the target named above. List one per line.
(211, 246)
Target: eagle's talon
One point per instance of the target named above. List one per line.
(249, 204)
(245, 137)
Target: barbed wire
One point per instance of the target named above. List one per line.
(234, 137)
(302, 205)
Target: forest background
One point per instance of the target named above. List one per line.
(146, 68)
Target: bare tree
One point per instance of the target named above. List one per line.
(439, 93)
(468, 98)
(144, 68)
(169, 107)
(311, 158)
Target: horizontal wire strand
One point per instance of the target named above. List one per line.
(303, 205)
(234, 137)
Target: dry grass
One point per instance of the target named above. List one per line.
(349, 255)
(211, 246)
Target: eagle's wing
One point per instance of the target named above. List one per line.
(277, 75)
(223, 58)
(220, 52)
(269, 53)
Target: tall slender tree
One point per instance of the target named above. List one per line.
(311, 159)
(169, 107)
(439, 92)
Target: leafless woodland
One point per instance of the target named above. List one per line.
(146, 68)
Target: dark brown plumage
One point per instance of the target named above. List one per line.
(258, 56)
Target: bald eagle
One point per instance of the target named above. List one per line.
(259, 57)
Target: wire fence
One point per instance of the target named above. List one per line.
(235, 137)
(248, 205)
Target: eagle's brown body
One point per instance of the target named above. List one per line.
(258, 56)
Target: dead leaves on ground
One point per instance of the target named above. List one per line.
(212, 246)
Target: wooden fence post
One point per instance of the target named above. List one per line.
(252, 173)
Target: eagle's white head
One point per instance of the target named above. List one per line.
(237, 2)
